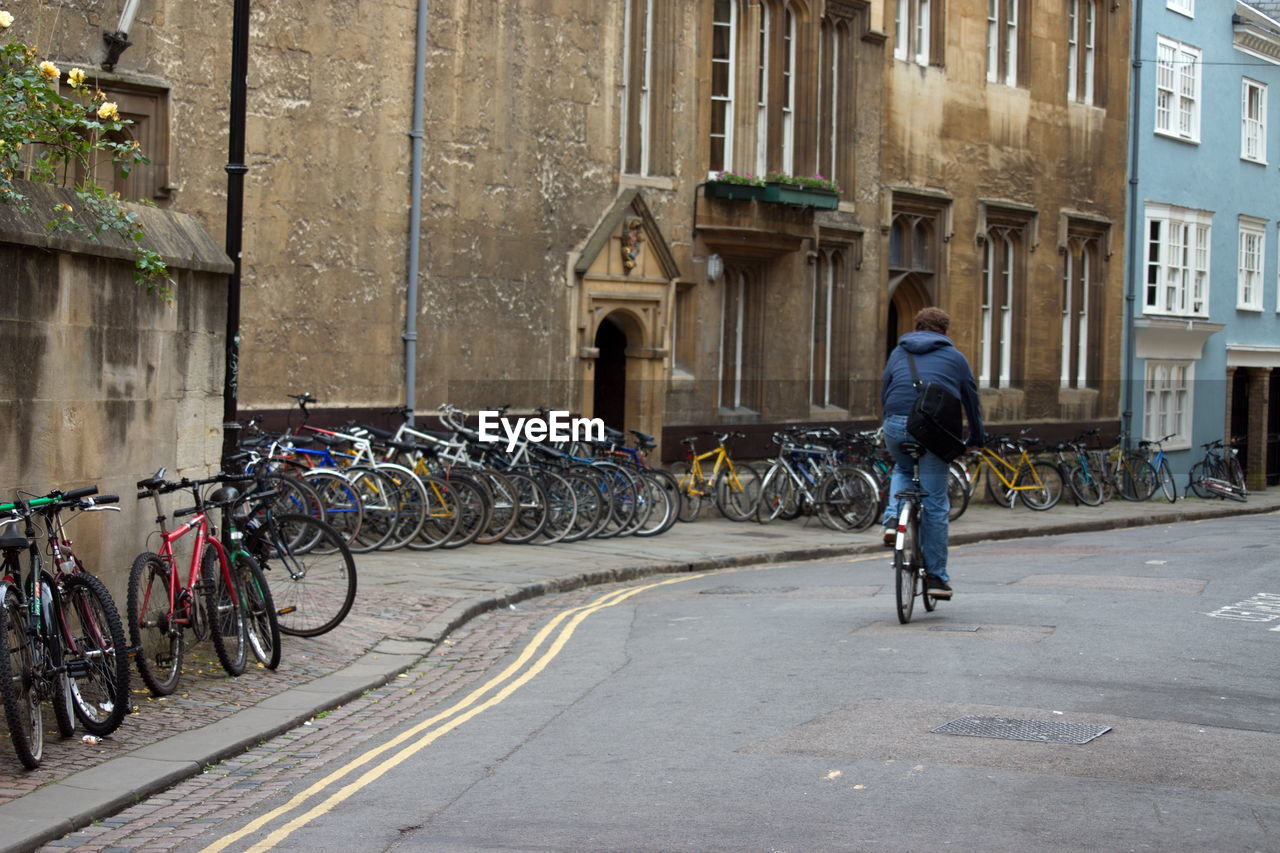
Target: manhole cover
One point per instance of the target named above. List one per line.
(969, 629)
(1043, 731)
(737, 590)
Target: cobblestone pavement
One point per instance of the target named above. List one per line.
(207, 694)
(200, 810)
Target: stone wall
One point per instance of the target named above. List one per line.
(103, 384)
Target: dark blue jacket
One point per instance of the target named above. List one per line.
(937, 360)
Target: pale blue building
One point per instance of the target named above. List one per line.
(1203, 246)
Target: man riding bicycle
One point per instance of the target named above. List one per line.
(938, 361)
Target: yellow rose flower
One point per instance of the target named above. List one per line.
(76, 78)
(50, 70)
(108, 111)
(6, 20)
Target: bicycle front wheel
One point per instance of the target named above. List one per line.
(153, 631)
(17, 682)
(313, 582)
(262, 626)
(737, 492)
(1084, 485)
(95, 653)
(906, 558)
(1138, 480)
(958, 491)
(1164, 475)
(847, 499)
(226, 618)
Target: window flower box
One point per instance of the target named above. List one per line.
(736, 191)
(814, 197)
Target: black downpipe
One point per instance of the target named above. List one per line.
(1135, 235)
(236, 170)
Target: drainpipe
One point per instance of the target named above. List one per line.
(1135, 233)
(236, 169)
(415, 215)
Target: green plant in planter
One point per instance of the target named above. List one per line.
(743, 180)
(817, 182)
(50, 137)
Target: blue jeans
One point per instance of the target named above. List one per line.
(934, 519)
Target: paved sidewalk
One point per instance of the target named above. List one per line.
(406, 603)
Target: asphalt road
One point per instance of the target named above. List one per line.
(783, 708)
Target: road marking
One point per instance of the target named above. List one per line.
(575, 616)
(1263, 607)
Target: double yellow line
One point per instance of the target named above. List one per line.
(428, 731)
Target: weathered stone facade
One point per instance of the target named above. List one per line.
(104, 384)
(1012, 168)
(552, 129)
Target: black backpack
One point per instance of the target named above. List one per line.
(936, 419)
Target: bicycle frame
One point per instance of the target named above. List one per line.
(200, 524)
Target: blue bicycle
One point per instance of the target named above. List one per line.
(1164, 474)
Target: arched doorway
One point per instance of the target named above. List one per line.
(906, 297)
(610, 393)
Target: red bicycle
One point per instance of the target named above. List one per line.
(162, 608)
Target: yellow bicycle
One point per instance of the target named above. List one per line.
(1012, 473)
(733, 487)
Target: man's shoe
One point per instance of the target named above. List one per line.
(891, 534)
(936, 588)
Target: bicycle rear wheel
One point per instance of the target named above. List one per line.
(313, 575)
(958, 492)
(1084, 485)
(155, 634)
(18, 694)
(95, 653)
(847, 499)
(737, 492)
(1138, 480)
(1040, 487)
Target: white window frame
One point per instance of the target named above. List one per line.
(1002, 20)
(1249, 270)
(1002, 240)
(1077, 320)
(912, 32)
(1078, 50)
(1168, 398)
(1176, 261)
(645, 86)
(762, 98)
(727, 100)
(1253, 121)
(1178, 76)
(788, 89)
(1182, 7)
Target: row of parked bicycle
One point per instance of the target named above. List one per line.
(843, 477)
(64, 644)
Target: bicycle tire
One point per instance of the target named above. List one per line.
(1045, 493)
(475, 505)
(668, 481)
(529, 511)
(1195, 480)
(958, 493)
(443, 517)
(1138, 480)
(159, 641)
(507, 505)
(316, 583)
(562, 507)
(905, 557)
(737, 492)
(847, 499)
(623, 499)
(1164, 474)
(18, 693)
(1086, 488)
(52, 667)
(96, 653)
(662, 513)
(342, 506)
(411, 509)
(776, 489)
(227, 630)
(380, 503)
(293, 494)
(690, 493)
(590, 506)
(262, 625)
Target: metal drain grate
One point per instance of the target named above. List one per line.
(1043, 731)
(737, 590)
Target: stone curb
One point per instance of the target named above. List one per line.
(56, 809)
